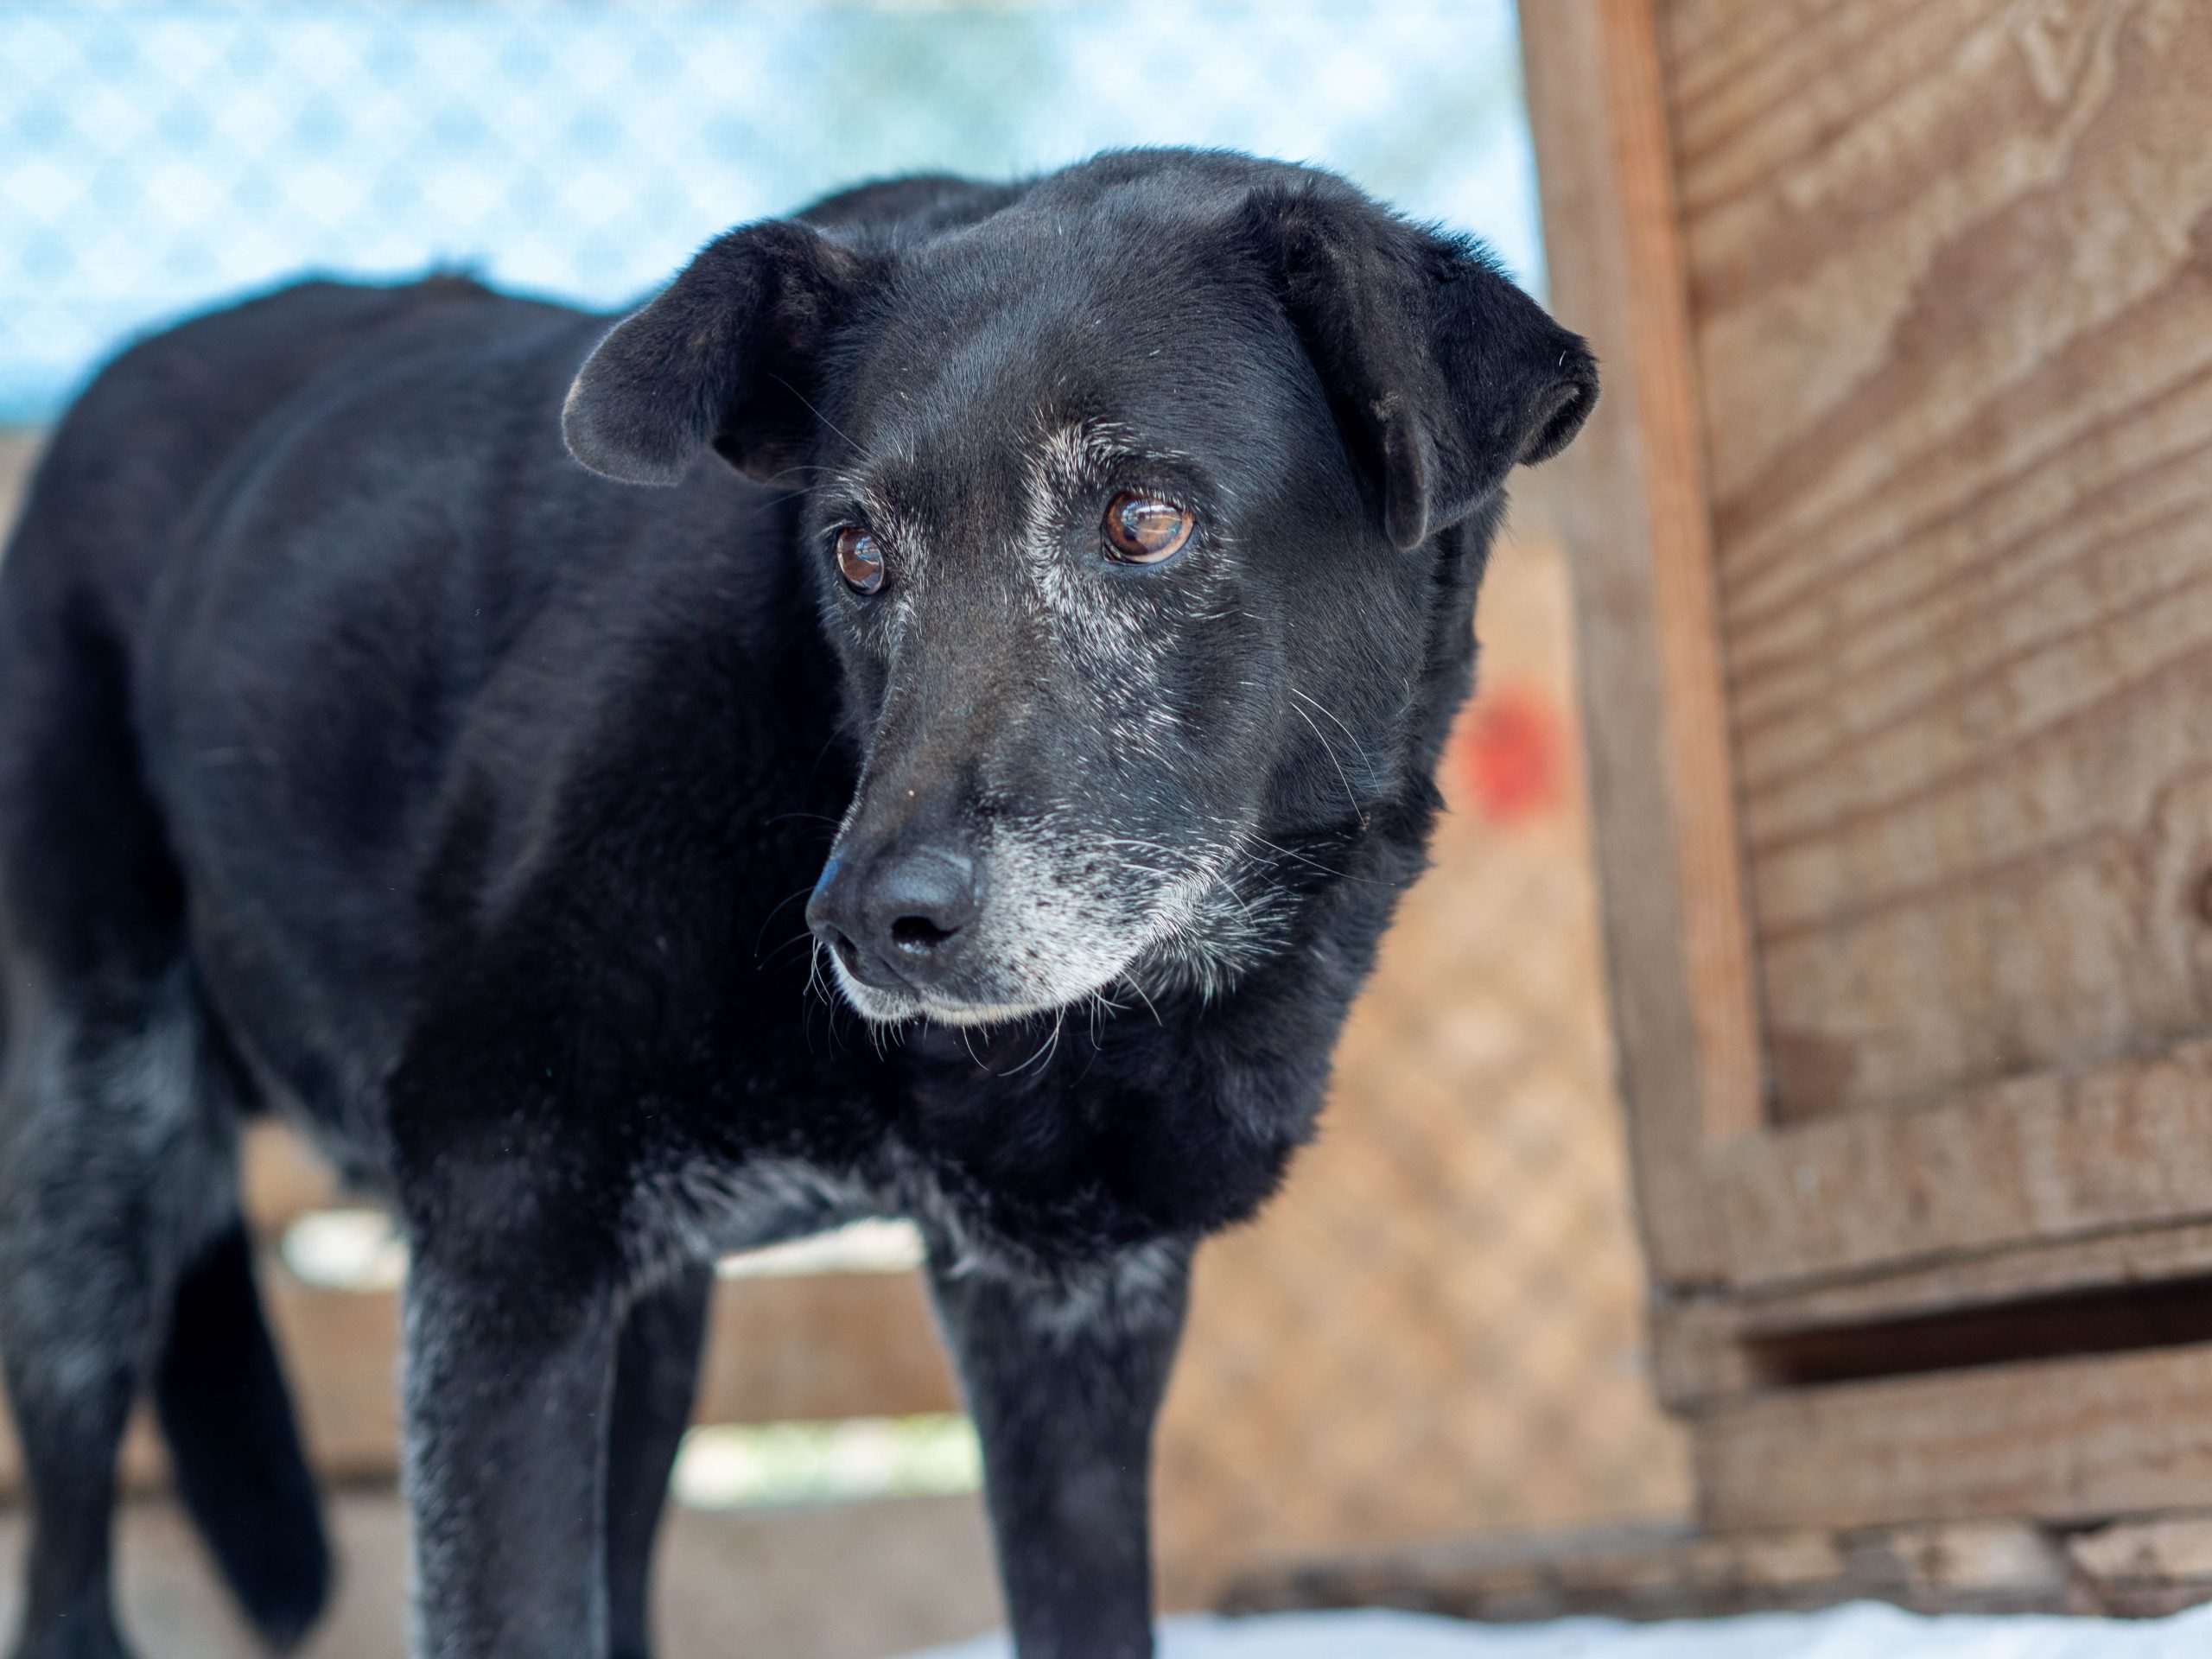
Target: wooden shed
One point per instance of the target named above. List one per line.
(1892, 547)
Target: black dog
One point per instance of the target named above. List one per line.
(1078, 618)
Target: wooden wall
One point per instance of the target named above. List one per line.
(1893, 552)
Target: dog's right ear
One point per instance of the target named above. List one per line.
(730, 355)
(1442, 374)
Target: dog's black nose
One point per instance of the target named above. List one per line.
(899, 919)
(918, 903)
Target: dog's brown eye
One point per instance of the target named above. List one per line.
(859, 560)
(1144, 529)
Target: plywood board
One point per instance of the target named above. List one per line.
(1942, 288)
(1950, 269)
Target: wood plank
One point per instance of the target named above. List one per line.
(1648, 650)
(2061, 1440)
(1673, 1573)
(806, 1347)
(822, 1345)
(341, 1357)
(281, 1181)
(2047, 1157)
(1951, 281)
(2145, 1569)
(1698, 1346)
(2164, 1549)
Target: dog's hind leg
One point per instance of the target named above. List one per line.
(655, 1376)
(109, 1169)
(119, 1100)
(234, 1449)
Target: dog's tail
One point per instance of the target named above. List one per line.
(239, 1466)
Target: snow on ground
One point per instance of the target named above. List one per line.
(1863, 1630)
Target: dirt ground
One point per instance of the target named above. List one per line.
(842, 1581)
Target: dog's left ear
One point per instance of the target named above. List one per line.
(1443, 375)
(729, 354)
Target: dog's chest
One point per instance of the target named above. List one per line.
(711, 1208)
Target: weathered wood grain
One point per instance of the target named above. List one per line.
(1948, 272)
(1950, 267)
(2074, 1440)
(2047, 1157)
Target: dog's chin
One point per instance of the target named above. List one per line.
(881, 1006)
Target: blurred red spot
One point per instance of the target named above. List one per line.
(1510, 754)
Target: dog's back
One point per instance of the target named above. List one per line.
(146, 440)
(131, 491)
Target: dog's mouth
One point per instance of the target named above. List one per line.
(1045, 940)
(879, 994)
(880, 1006)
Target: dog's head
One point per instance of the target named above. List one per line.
(1123, 501)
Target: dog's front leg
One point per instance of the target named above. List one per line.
(507, 1386)
(1064, 1373)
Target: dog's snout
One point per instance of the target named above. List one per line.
(899, 918)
